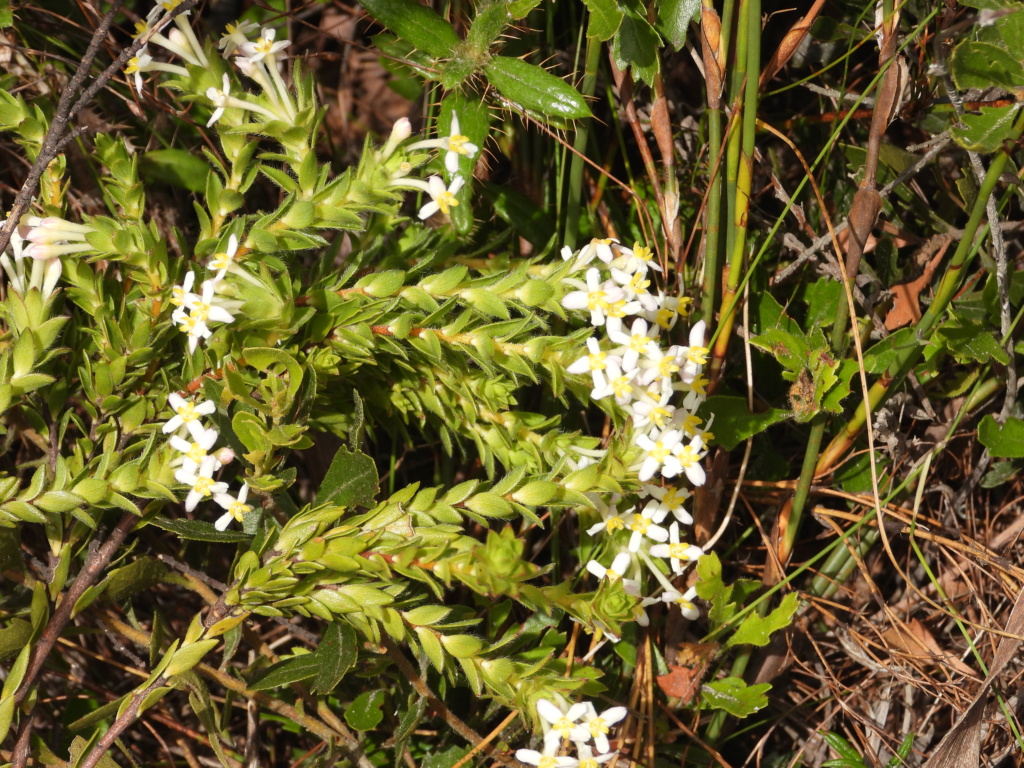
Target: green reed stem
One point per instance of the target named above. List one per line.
(576, 165)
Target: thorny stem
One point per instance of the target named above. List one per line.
(97, 560)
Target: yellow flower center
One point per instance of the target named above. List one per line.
(678, 551)
(456, 144)
(640, 524)
(196, 453)
(614, 524)
(446, 201)
(238, 510)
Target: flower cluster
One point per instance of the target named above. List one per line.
(41, 242)
(455, 145)
(212, 304)
(581, 725)
(196, 465)
(659, 386)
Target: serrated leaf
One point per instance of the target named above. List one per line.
(535, 89)
(364, 714)
(1003, 442)
(734, 696)
(445, 759)
(336, 655)
(636, 45)
(972, 342)
(757, 630)
(605, 18)
(790, 349)
(351, 480)
(985, 130)
(734, 423)
(417, 24)
(286, 672)
(976, 64)
(674, 17)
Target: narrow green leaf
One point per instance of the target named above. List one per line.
(176, 167)
(417, 24)
(286, 672)
(336, 654)
(536, 89)
(489, 23)
(198, 530)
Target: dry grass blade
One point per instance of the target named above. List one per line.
(794, 37)
(961, 747)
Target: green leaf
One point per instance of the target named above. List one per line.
(790, 349)
(880, 357)
(976, 64)
(986, 130)
(605, 18)
(174, 167)
(1000, 473)
(6, 17)
(14, 637)
(265, 358)
(351, 480)
(286, 672)
(636, 45)
(526, 218)
(416, 23)
(198, 530)
(365, 713)
(970, 341)
(488, 24)
(846, 751)
(1003, 442)
(674, 17)
(445, 759)
(336, 655)
(536, 89)
(757, 630)
(734, 423)
(734, 696)
(520, 8)
(133, 578)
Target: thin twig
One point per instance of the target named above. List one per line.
(58, 136)
(97, 560)
(421, 687)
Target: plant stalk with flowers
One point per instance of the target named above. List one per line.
(179, 378)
